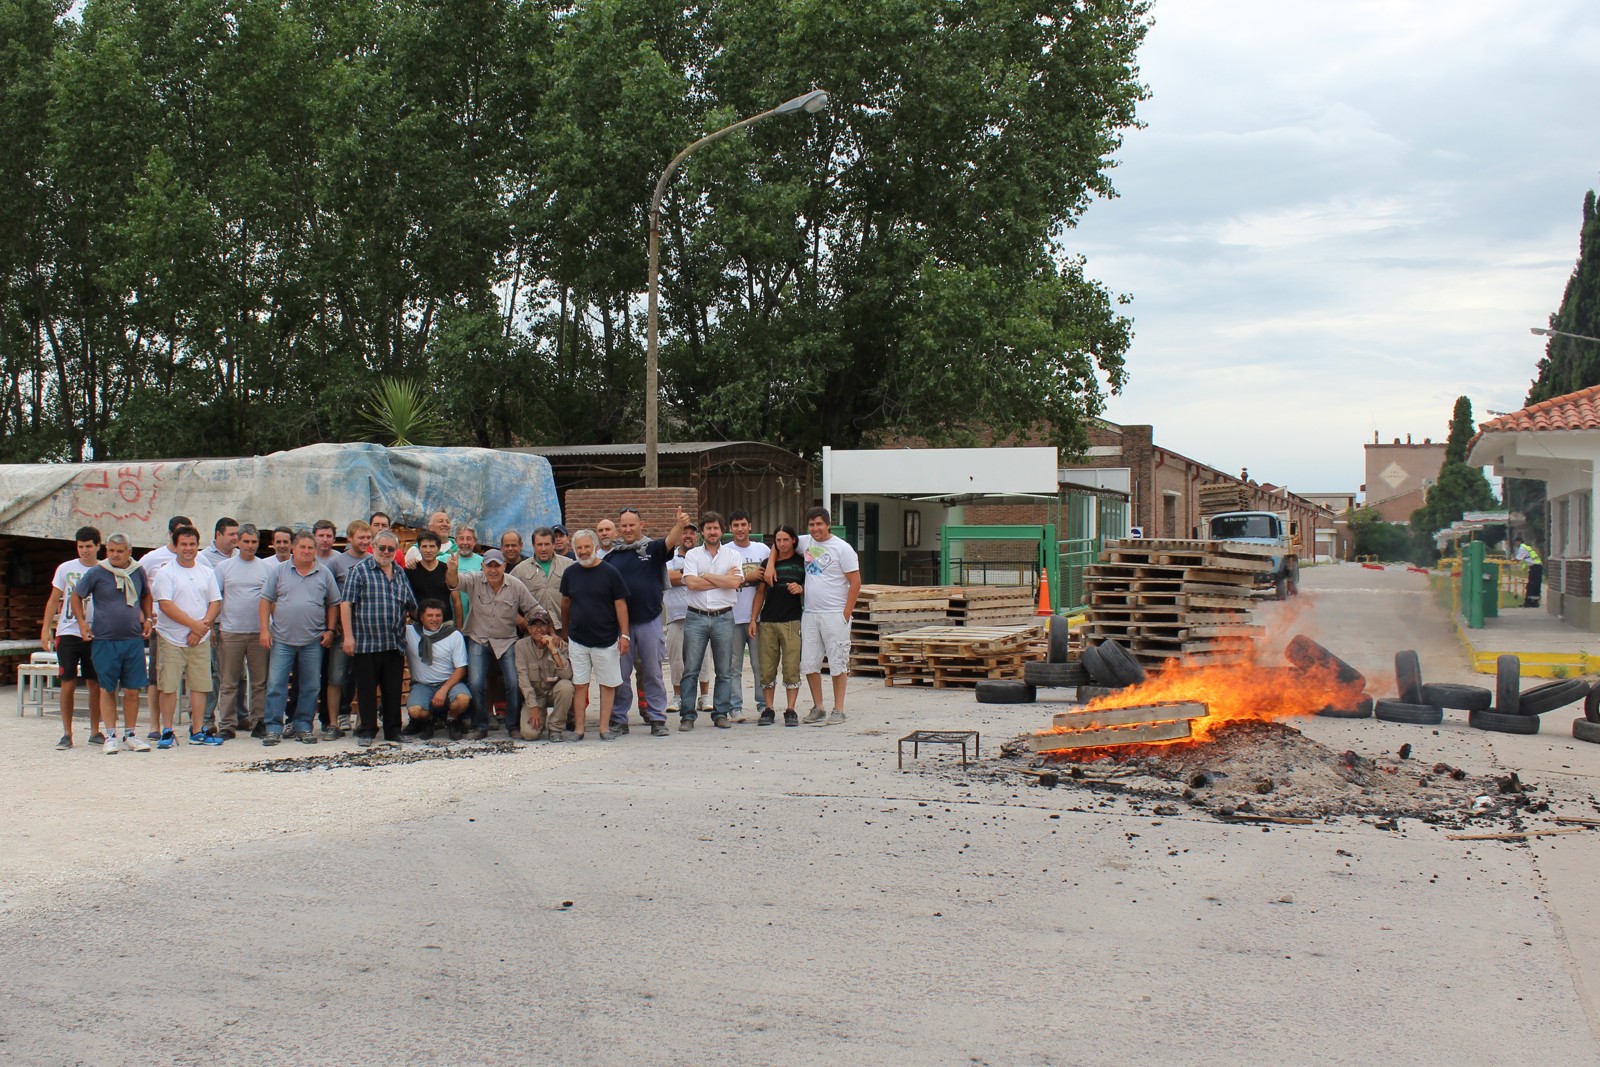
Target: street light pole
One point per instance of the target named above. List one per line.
(809, 103)
(1541, 331)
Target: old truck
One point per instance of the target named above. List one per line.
(1269, 529)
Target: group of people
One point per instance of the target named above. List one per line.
(276, 633)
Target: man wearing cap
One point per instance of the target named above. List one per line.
(542, 574)
(500, 605)
(563, 538)
(546, 679)
(643, 566)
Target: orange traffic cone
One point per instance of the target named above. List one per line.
(1044, 592)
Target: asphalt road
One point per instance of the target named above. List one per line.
(785, 896)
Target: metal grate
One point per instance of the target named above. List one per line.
(918, 738)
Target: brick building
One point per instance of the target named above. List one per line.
(1399, 475)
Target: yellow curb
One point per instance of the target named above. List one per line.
(1534, 664)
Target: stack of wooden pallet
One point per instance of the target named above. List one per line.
(951, 656)
(884, 610)
(1167, 599)
(992, 605)
(1223, 496)
(26, 567)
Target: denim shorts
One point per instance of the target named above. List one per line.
(119, 664)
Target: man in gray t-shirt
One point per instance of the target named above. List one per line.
(299, 606)
(240, 578)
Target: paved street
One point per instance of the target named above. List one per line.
(786, 896)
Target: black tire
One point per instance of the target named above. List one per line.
(1407, 712)
(1551, 695)
(1087, 693)
(1460, 697)
(1120, 664)
(1361, 710)
(1308, 655)
(1055, 675)
(1586, 730)
(1501, 723)
(1591, 705)
(1059, 638)
(1507, 684)
(1280, 589)
(1095, 666)
(1006, 691)
(1408, 676)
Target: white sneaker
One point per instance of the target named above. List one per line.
(134, 743)
(111, 747)
(835, 717)
(814, 717)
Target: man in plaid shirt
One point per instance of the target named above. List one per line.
(377, 596)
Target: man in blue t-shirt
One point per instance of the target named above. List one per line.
(643, 566)
(122, 618)
(594, 616)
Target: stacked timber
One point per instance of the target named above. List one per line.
(1223, 496)
(1176, 599)
(992, 605)
(955, 656)
(885, 610)
(26, 566)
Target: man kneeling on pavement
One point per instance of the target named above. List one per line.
(437, 655)
(545, 678)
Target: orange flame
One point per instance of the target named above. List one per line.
(1231, 692)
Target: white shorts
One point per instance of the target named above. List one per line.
(824, 634)
(603, 664)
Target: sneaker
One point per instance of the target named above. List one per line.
(135, 743)
(167, 740)
(620, 729)
(814, 716)
(607, 735)
(478, 735)
(259, 731)
(455, 729)
(269, 739)
(307, 737)
(198, 739)
(674, 709)
(835, 717)
(63, 744)
(721, 722)
(658, 729)
(332, 733)
(791, 719)
(288, 731)
(365, 742)
(767, 718)
(153, 735)
(227, 733)
(111, 748)
(685, 725)
(557, 735)
(97, 738)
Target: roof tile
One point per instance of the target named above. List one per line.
(1574, 411)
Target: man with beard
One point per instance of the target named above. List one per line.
(594, 618)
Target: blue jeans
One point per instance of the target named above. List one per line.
(306, 663)
(741, 641)
(480, 657)
(646, 651)
(718, 632)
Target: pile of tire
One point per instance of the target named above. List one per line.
(1306, 655)
(1058, 670)
(1517, 711)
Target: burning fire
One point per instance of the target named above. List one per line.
(1231, 692)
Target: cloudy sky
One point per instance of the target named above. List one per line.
(1343, 215)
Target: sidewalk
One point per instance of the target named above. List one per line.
(1547, 646)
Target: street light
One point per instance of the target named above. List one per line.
(1541, 331)
(809, 103)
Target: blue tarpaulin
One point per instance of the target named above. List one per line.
(490, 490)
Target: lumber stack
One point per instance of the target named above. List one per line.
(1167, 721)
(1167, 599)
(954, 656)
(1223, 496)
(884, 610)
(26, 566)
(992, 605)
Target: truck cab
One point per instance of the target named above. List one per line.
(1262, 528)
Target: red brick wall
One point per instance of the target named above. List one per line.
(1003, 515)
(658, 508)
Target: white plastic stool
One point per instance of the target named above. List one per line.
(36, 682)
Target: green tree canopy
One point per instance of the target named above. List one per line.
(222, 220)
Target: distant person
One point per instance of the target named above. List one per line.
(594, 617)
(439, 524)
(501, 605)
(299, 611)
(563, 540)
(115, 628)
(436, 655)
(1529, 555)
(74, 655)
(542, 574)
(379, 522)
(780, 602)
(642, 562)
(546, 680)
(238, 637)
(377, 598)
(833, 581)
(746, 625)
(675, 608)
(188, 602)
(713, 573)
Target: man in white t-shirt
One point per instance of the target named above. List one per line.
(833, 581)
(754, 554)
(675, 608)
(187, 605)
(241, 578)
(73, 653)
(713, 573)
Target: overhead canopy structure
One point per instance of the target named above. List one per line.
(939, 471)
(491, 489)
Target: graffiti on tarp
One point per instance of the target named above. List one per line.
(119, 493)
